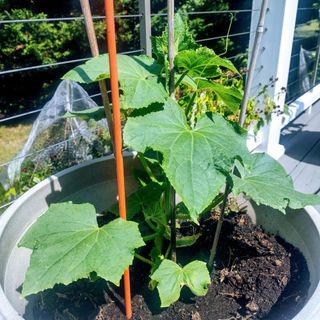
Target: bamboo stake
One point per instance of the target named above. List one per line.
(171, 53)
(85, 7)
(111, 39)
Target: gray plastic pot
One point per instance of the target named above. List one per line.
(95, 182)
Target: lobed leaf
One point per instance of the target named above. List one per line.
(194, 160)
(202, 63)
(171, 278)
(68, 245)
(183, 39)
(138, 77)
(266, 182)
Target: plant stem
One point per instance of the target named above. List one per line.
(180, 79)
(173, 234)
(150, 224)
(146, 167)
(167, 251)
(188, 108)
(218, 229)
(171, 53)
(143, 259)
(150, 237)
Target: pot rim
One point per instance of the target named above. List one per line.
(7, 311)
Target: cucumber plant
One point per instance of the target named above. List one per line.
(181, 143)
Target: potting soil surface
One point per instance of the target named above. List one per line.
(257, 276)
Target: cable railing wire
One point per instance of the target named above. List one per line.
(221, 11)
(8, 21)
(46, 148)
(297, 54)
(238, 55)
(301, 39)
(226, 36)
(39, 110)
(294, 69)
(49, 65)
(310, 8)
(300, 92)
(7, 204)
(34, 153)
(159, 14)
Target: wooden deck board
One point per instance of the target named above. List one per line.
(301, 160)
(299, 138)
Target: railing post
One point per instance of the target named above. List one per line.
(273, 63)
(145, 26)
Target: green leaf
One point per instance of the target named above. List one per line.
(231, 96)
(187, 241)
(193, 159)
(137, 200)
(154, 213)
(96, 113)
(171, 278)
(68, 245)
(266, 182)
(138, 77)
(183, 39)
(202, 62)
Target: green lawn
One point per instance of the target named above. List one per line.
(308, 29)
(12, 139)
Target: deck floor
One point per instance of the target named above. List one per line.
(301, 160)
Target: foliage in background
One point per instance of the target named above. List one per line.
(29, 44)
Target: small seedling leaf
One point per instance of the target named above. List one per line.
(171, 278)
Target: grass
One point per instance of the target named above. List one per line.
(12, 139)
(308, 29)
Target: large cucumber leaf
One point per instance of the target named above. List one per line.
(171, 278)
(266, 182)
(138, 77)
(202, 62)
(195, 160)
(68, 245)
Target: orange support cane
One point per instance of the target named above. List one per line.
(111, 38)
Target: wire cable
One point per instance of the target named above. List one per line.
(9, 21)
(49, 65)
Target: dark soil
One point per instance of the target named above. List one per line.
(257, 276)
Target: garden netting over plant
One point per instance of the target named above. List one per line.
(55, 141)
